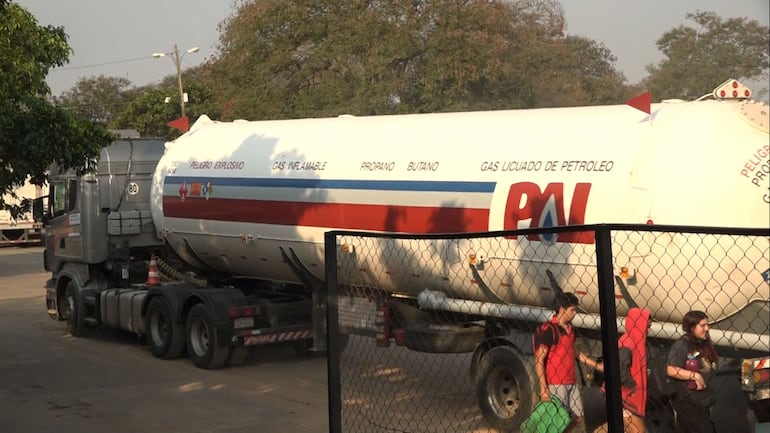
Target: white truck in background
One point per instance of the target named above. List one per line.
(21, 218)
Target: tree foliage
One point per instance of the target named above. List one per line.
(578, 71)
(114, 103)
(148, 112)
(700, 57)
(310, 58)
(33, 132)
(99, 99)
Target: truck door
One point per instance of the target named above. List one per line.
(63, 237)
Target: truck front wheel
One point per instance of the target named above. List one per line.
(503, 389)
(164, 336)
(72, 310)
(202, 340)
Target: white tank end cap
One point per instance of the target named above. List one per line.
(757, 113)
(202, 121)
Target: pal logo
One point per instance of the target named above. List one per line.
(528, 206)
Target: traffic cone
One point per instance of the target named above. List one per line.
(153, 276)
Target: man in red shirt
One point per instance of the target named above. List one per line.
(555, 354)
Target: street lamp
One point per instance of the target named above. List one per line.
(177, 59)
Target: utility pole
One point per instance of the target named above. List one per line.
(177, 59)
(177, 63)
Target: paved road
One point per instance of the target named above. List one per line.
(51, 382)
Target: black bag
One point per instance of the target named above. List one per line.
(659, 383)
(544, 328)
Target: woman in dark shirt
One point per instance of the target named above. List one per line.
(692, 361)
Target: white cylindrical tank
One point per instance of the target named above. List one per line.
(228, 195)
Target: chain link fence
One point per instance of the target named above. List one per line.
(434, 333)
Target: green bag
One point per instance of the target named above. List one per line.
(547, 417)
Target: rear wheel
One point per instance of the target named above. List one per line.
(760, 410)
(203, 345)
(72, 310)
(303, 348)
(237, 355)
(659, 416)
(164, 336)
(503, 389)
(342, 342)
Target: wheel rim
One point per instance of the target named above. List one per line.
(503, 392)
(70, 307)
(199, 337)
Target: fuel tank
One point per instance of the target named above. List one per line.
(229, 195)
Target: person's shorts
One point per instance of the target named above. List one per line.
(569, 396)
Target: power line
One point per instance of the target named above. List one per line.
(71, 68)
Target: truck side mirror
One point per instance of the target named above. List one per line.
(38, 211)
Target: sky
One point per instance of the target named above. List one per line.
(117, 38)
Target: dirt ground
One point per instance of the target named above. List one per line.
(109, 382)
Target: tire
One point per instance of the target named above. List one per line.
(503, 389)
(475, 360)
(659, 416)
(73, 310)
(237, 355)
(342, 342)
(164, 336)
(751, 419)
(431, 338)
(302, 348)
(202, 339)
(760, 410)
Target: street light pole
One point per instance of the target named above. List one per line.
(177, 63)
(177, 59)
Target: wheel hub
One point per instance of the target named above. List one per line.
(503, 392)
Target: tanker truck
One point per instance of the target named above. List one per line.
(214, 242)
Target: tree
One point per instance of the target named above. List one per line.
(576, 71)
(99, 99)
(310, 58)
(699, 58)
(33, 132)
(149, 112)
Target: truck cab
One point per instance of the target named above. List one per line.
(97, 220)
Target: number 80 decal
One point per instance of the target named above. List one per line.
(132, 188)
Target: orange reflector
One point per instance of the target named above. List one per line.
(746, 367)
(761, 376)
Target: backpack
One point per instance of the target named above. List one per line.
(659, 383)
(544, 329)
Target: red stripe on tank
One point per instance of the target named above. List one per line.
(389, 218)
